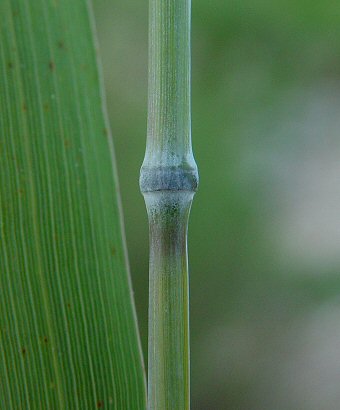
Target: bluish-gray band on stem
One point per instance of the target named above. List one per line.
(168, 181)
(168, 178)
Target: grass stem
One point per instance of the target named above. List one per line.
(168, 181)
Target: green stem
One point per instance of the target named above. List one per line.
(169, 298)
(168, 181)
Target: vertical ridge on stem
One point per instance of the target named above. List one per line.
(168, 181)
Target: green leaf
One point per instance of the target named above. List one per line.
(68, 333)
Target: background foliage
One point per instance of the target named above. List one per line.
(264, 232)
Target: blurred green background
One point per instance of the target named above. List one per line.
(264, 235)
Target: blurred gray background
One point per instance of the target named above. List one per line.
(264, 235)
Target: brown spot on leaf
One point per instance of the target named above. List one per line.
(100, 404)
(24, 107)
(46, 107)
(23, 351)
(51, 65)
(113, 250)
(67, 143)
(45, 339)
(61, 44)
(10, 65)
